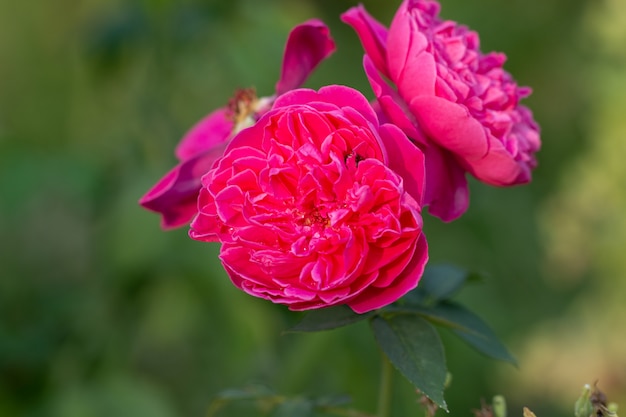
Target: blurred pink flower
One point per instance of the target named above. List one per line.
(458, 105)
(317, 204)
(175, 195)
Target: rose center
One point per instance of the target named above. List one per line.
(315, 218)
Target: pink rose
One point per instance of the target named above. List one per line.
(459, 105)
(175, 195)
(317, 204)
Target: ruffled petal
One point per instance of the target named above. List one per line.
(374, 298)
(316, 203)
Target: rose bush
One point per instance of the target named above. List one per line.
(456, 103)
(317, 204)
(175, 195)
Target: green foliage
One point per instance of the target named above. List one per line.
(405, 333)
(329, 318)
(440, 282)
(268, 403)
(468, 326)
(294, 407)
(415, 349)
(95, 95)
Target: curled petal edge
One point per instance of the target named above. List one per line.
(308, 44)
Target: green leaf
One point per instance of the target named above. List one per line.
(329, 318)
(440, 282)
(413, 346)
(469, 327)
(294, 407)
(251, 392)
(332, 401)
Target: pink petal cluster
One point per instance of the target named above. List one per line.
(316, 196)
(318, 204)
(175, 195)
(459, 105)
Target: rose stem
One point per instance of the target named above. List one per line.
(384, 391)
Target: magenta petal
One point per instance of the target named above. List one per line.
(349, 98)
(302, 199)
(244, 142)
(208, 132)
(446, 192)
(390, 102)
(205, 226)
(339, 95)
(498, 167)
(450, 126)
(175, 195)
(373, 35)
(410, 66)
(405, 159)
(418, 78)
(166, 197)
(308, 44)
(373, 298)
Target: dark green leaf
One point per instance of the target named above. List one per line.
(252, 392)
(294, 407)
(440, 282)
(413, 346)
(333, 401)
(469, 327)
(328, 318)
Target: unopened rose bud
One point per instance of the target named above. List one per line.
(612, 407)
(583, 406)
(528, 413)
(499, 406)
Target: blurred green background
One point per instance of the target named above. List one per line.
(103, 314)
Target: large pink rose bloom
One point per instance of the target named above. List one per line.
(317, 204)
(458, 104)
(175, 195)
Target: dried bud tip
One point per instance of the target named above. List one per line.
(528, 413)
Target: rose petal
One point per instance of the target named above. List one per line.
(211, 131)
(390, 102)
(175, 195)
(373, 298)
(410, 66)
(450, 126)
(311, 205)
(337, 94)
(405, 159)
(307, 45)
(446, 192)
(372, 34)
(498, 167)
(457, 104)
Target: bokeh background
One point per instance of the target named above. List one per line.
(103, 314)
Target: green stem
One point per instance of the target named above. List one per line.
(384, 391)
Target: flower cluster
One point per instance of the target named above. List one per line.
(316, 196)
(456, 103)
